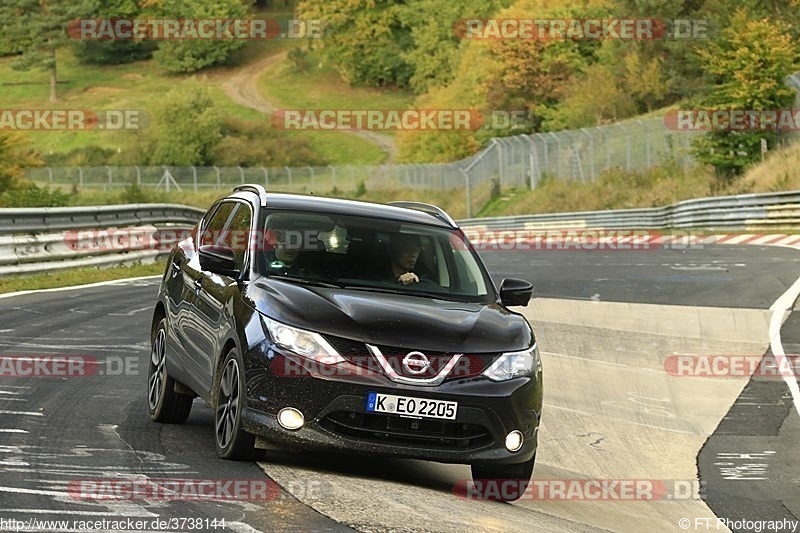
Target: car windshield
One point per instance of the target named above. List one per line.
(365, 253)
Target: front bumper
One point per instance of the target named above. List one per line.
(336, 419)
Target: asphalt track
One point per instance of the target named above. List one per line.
(593, 310)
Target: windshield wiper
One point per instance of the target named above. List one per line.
(405, 290)
(305, 281)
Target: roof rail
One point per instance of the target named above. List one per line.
(255, 188)
(431, 209)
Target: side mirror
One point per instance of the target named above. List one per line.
(515, 292)
(219, 260)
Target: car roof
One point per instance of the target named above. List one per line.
(321, 204)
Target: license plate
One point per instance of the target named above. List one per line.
(407, 406)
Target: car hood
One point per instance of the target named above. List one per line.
(392, 319)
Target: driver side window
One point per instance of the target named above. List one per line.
(230, 226)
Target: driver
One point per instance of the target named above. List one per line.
(403, 253)
(284, 257)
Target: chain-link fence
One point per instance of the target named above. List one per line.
(519, 161)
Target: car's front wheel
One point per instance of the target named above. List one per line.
(164, 404)
(503, 482)
(231, 440)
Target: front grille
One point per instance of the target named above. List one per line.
(394, 356)
(407, 431)
(355, 352)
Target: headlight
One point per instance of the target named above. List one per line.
(515, 364)
(306, 343)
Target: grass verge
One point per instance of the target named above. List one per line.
(78, 276)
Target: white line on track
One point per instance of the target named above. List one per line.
(21, 413)
(12, 430)
(65, 511)
(779, 309)
(78, 287)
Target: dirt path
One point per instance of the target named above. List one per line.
(241, 84)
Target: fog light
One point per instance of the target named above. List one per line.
(291, 418)
(514, 441)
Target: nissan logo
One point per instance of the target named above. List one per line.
(416, 363)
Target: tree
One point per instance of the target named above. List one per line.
(365, 41)
(645, 80)
(190, 55)
(434, 53)
(186, 127)
(15, 155)
(747, 65)
(37, 27)
(116, 51)
(594, 99)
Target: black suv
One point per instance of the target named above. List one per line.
(340, 325)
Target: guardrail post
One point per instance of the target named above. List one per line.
(266, 177)
(241, 174)
(80, 177)
(50, 175)
(546, 146)
(311, 171)
(647, 143)
(333, 174)
(219, 187)
(592, 172)
(500, 166)
(533, 178)
(110, 179)
(289, 171)
(164, 178)
(138, 175)
(627, 147)
(466, 188)
(194, 178)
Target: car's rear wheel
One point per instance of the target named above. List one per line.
(503, 482)
(231, 440)
(164, 404)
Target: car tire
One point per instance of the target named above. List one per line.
(164, 404)
(519, 473)
(231, 440)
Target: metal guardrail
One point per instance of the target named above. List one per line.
(47, 219)
(744, 212)
(36, 239)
